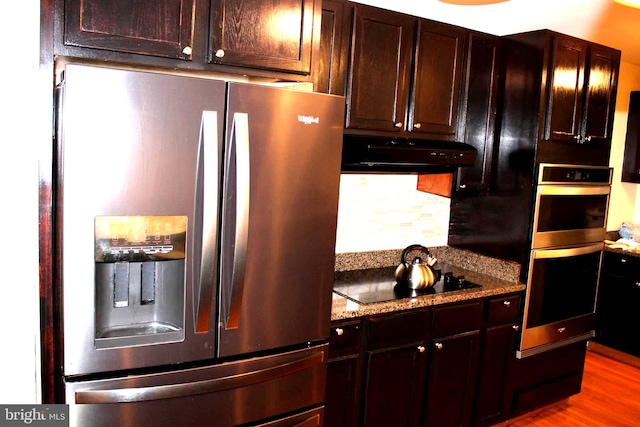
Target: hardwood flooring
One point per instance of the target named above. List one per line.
(610, 397)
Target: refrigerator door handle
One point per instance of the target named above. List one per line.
(209, 162)
(172, 391)
(240, 138)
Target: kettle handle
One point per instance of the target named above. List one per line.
(403, 258)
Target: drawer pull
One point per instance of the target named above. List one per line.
(339, 331)
(421, 349)
(638, 284)
(439, 345)
(516, 328)
(507, 303)
(398, 125)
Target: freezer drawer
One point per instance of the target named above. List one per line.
(224, 395)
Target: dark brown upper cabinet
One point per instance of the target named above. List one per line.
(582, 84)
(574, 82)
(404, 76)
(631, 162)
(268, 34)
(331, 64)
(480, 107)
(163, 28)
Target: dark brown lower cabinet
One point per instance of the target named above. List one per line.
(342, 375)
(448, 365)
(498, 346)
(452, 380)
(394, 386)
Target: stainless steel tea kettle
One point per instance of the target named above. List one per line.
(418, 273)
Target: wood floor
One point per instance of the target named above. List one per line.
(610, 397)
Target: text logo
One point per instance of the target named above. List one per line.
(34, 415)
(307, 120)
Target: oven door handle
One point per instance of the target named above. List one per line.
(573, 190)
(567, 252)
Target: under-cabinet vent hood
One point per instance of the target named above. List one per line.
(375, 154)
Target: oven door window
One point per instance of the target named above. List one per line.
(559, 212)
(563, 284)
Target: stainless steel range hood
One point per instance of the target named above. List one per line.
(378, 154)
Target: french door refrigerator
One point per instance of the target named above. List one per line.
(196, 235)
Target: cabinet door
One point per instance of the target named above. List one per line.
(497, 349)
(148, 27)
(631, 163)
(617, 313)
(382, 45)
(452, 380)
(437, 78)
(334, 41)
(480, 110)
(267, 34)
(600, 95)
(340, 401)
(394, 386)
(566, 84)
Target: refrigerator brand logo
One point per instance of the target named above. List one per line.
(307, 120)
(38, 415)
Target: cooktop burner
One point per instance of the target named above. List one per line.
(379, 285)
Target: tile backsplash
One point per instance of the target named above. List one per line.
(379, 212)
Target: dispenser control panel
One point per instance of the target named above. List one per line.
(139, 238)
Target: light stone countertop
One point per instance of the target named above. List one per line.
(497, 277)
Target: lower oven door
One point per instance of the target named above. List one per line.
(561, 296)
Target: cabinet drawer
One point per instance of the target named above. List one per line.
(456, 318)
(397, 329)
(344, 338)
(621, 265)
(502, 309)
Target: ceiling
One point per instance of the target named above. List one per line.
(599, 21)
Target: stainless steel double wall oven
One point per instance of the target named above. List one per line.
(568, 229)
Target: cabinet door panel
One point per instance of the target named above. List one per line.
(149, 27)
(618, 321)
(340, 397)
(452, 380)
(600, 96)
(270, 34)
(498, 349)
(394, 387)
(564, 108)
(380, 69)
(334, 40)
(481, 90)
(437, 78)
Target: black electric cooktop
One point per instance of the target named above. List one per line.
(375, 285)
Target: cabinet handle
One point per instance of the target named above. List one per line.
(439, 345)
(219, 53)
(587, 138)
(507, 303)
(339, 331)
(187, 50)
(463, 186)
(398, 124)
(421, 349)
(516, 328)
(417, 126)
(638, 284)
(623, 260)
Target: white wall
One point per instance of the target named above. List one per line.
(624, 203)
(24, 121)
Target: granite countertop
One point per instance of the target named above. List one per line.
(496, 277)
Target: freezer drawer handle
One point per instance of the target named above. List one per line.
(172, 391)
(209, 163)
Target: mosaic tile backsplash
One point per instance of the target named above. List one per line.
(378, 212)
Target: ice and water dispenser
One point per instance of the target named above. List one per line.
(139, 280)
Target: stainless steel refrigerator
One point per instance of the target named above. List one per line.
(196, 234)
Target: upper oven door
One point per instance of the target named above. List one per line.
(570, 214)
